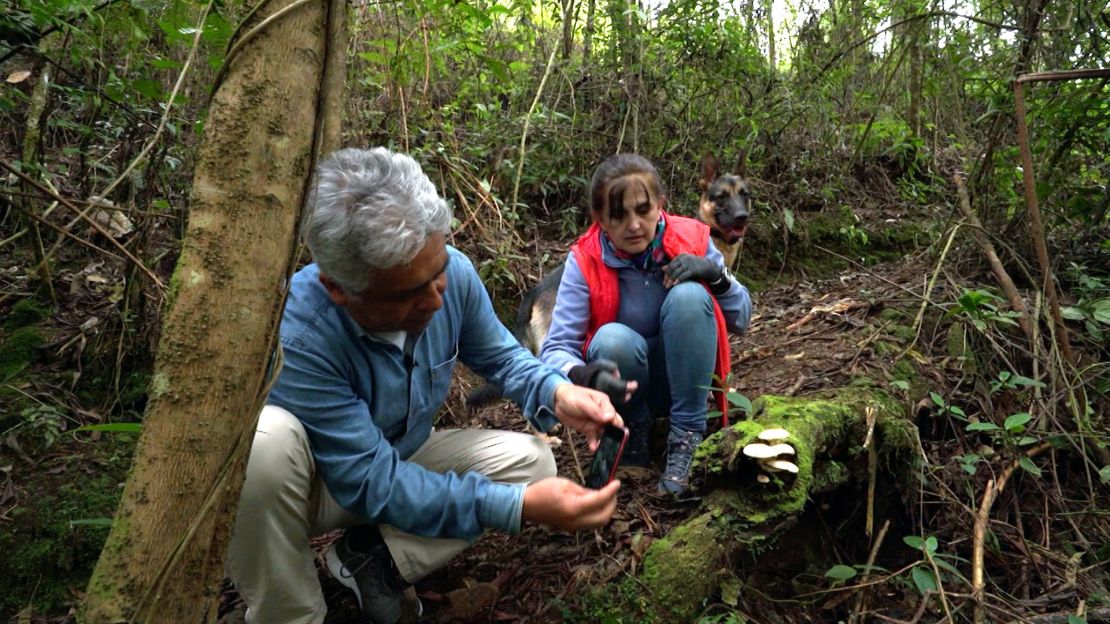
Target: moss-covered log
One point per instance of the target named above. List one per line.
(738, 514)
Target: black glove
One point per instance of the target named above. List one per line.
(688, 267)
(600, 375)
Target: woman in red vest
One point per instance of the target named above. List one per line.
(644, 305)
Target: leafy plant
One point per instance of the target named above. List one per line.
(981, 308)
(922, 574)
(1092, 306)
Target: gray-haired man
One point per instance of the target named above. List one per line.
(371, 334)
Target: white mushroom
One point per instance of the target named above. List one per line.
(759, 451)
(780, 465)
(770, 435)
(782, 449)
(762, 478)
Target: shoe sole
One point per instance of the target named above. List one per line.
(339, 572)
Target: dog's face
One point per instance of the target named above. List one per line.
(725, 200)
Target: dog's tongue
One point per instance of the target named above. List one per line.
(737, 233)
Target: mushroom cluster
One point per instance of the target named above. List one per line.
(768, 452)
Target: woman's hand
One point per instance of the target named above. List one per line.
(687, 267)
(604, 375)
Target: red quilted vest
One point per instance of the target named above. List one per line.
(682, 235)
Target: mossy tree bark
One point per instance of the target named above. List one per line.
(690, 564)
(275, 111)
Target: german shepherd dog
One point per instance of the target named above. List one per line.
(725, 205)
(533, 318)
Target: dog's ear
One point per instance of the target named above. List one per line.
(741, 168)
(710, 167)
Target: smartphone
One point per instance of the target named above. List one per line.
(607, 457)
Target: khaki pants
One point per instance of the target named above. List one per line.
(285, 502)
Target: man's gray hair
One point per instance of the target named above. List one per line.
(370, 209)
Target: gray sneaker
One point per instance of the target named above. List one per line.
(361, 562)
(680, 452)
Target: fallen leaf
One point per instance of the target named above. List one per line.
(19, 76)
(795, 357)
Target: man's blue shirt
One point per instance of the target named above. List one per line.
(366, 410)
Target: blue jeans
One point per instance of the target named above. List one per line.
(675, 370)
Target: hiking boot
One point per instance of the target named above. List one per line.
(361, 562)
(680, 452)
(636, 453)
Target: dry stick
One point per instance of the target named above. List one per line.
(528, 121)
(980, 528)
(929, 289)
(1036, 227)
(862, 597)
(999, 271)
(81, 215)
(872, 468)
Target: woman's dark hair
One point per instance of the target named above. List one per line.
(604, 193)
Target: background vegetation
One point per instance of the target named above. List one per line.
(854, 115)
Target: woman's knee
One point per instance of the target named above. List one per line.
(618, 342)
(688, 298)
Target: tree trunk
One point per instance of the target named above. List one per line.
(165, 554)
(769, 6)
(688, 566)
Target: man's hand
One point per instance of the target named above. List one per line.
(605, 376)
(687, 267)
(586, 411)
(563, 504)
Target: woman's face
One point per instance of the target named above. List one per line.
(631, 216)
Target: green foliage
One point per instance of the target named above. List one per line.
(1092, 307)
(981, 308)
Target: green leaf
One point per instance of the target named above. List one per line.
(931, 544)
(151, 89)
(1015, 423)
(937, 399)
(957, 410)
(1026, 440)
(1100, 310)
(788, 216)
(112, 427)
(1073, 313)
(841, 572)
(1022, 380)
(1104, 475)
(1075, 619)
(93, 522)
(983, 426)
(738, 400)
(901, 384)
(924, 579)
(914, 541)
(1029, 466)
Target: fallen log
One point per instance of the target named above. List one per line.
(738, 514)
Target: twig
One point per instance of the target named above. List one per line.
(861, 597)
(1007, 284)
(168, 106)
(528, 121)
(929, 289)
(81, 215)
(980, 528)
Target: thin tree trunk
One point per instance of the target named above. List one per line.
(164, 556)
(769, 6)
